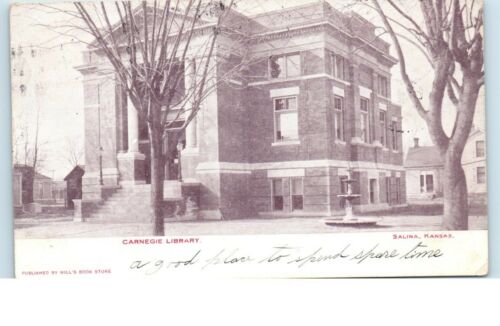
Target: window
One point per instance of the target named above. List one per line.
(383, 127)
(398, 190)
(394, 133)
(365, 76)
(373, 185)
(480, 148)
(343, 184)
(143, 129)
(343, 189)
(481, 175)
(338, 66)
(297, 191)
(429, 183)
(286, 119)
(388, 189)
(338, 105)
(293, 65)
(383, 86)
(426, 183)
(277, 192)
(40, 191)
(284, 66)
(365, 128)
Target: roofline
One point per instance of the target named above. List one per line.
(93, 47)
(324, 21)
(117, 25)
(82, 167)
(422, 166)
(267, 13)
(328, 23)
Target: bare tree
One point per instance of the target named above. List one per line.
(451, 40)
(73, 152)
(148, 50)
(27, 148)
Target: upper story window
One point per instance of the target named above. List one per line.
(284, 66)
(338, 66)
(338, 105)
(383, 127)
(143, 129)
(394, 133)
(365, 127)
(365, 76)
(383, 86)
(286, 125)
(480, 148)
(480, 175)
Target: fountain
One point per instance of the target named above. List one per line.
(349, 219)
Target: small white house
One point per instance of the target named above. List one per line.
(424, 169)
(474, 164)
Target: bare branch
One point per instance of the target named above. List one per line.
(402, 62)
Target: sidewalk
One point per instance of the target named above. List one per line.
(62, 228)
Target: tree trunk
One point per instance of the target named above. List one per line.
(456, 208)
(456, 205)
(157, 174)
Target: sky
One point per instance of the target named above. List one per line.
(54, 90)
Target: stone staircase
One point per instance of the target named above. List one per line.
(128, 204)
(132, 204)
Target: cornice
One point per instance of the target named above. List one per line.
(316, 27)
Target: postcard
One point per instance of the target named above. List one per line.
(249, 138)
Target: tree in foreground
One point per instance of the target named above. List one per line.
(150, 48)
(451, 40)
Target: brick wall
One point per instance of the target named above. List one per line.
(312, 126)
(316, 190)
(232, 114)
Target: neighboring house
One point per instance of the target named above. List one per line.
(315, 105)
(17, 189)
(74, 185)
(59, 192)
(43, 187)
(33, 187)
(26, 182)
(474, 164)
(424, 169)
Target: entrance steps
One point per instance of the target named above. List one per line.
(131, 203)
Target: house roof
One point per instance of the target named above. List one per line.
(77, 171)
(24, 168)
(474, 131)
(423, 156)
(41, 176)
